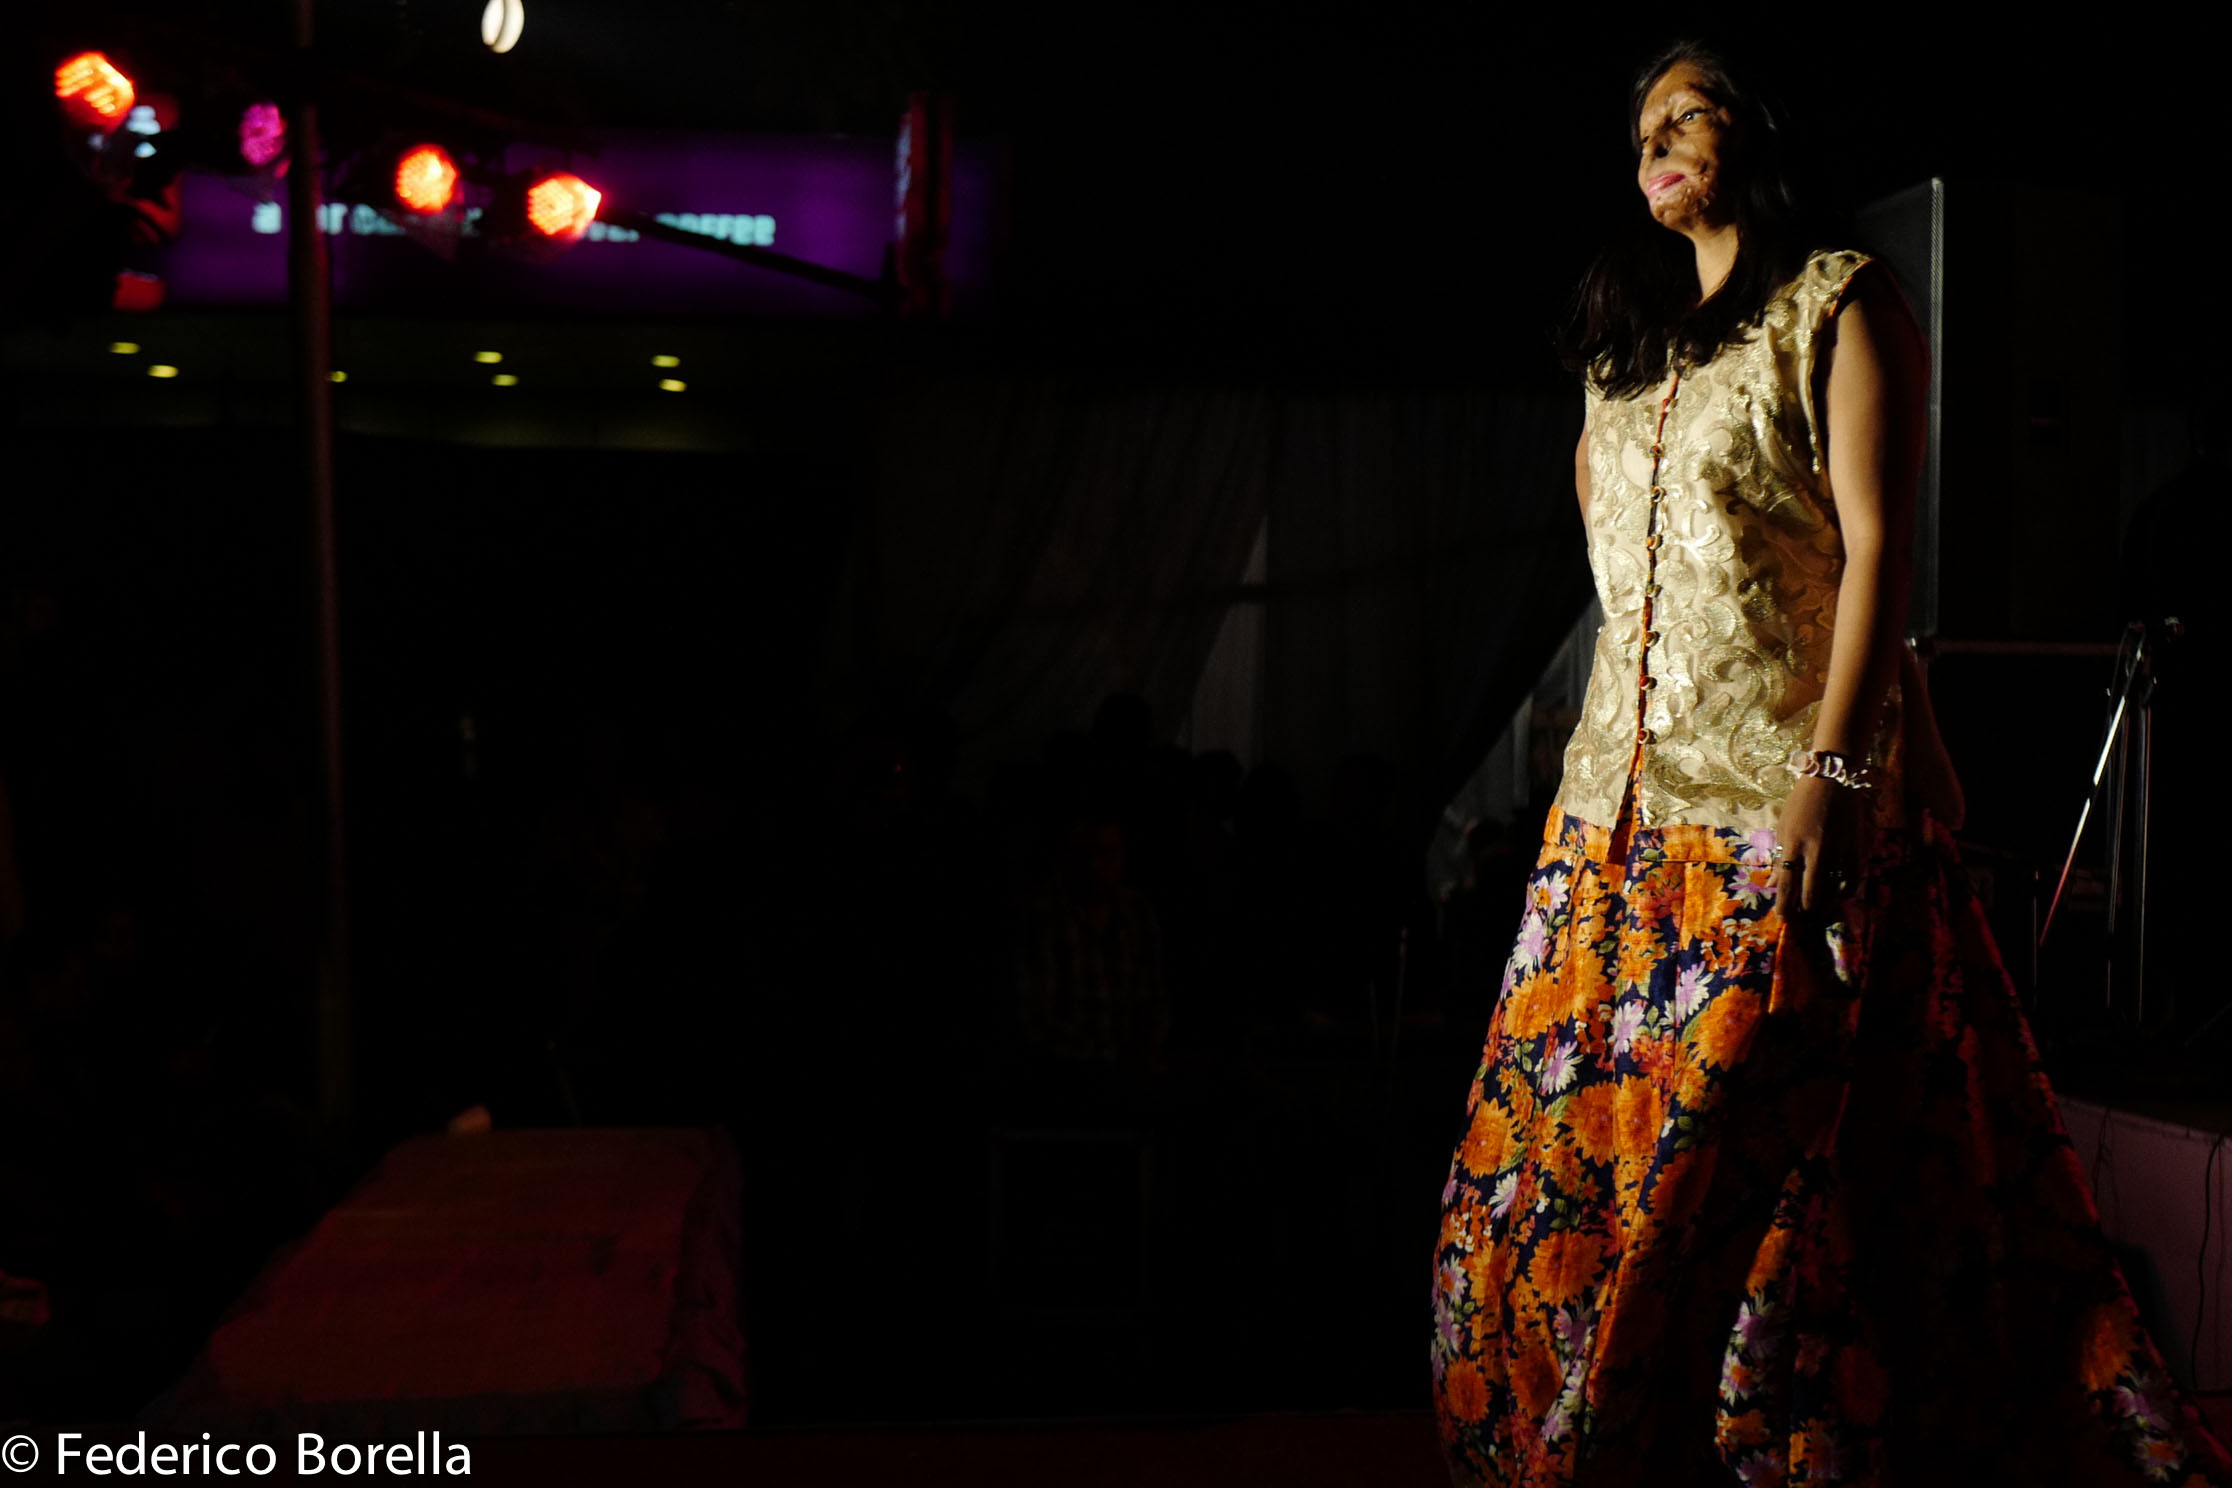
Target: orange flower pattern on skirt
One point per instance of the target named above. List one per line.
(1746, 1202)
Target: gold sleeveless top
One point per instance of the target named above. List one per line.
(1714, 540)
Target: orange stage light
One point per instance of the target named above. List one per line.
(562, 206)
(426, 179)
(93, 93)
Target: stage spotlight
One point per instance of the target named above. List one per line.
(562, 205)
(136, 293)
(426, 179)
(93, 93)
(501, 23)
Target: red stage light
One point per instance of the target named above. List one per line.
(562, 205)
(137, 292)
(426, 179)
(93, 93)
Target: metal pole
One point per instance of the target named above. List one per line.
(2115, 820)
(309, 286)
(2100, 768)
(2113, 828)
(2143, 725)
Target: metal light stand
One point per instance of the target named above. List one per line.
(2129, 745)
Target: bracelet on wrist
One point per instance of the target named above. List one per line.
(1837, 768)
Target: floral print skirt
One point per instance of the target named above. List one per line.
(1741, 1201)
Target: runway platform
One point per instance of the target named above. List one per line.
(2161, 1172)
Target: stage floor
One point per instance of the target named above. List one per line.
(1332, 1449)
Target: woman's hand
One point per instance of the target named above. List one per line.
(1819, 834)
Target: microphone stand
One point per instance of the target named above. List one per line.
(2130, 743)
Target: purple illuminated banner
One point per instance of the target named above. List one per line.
(823, 198)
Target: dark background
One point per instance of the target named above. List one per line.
(627, 844)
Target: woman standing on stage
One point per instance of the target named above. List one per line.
(1761, 1180)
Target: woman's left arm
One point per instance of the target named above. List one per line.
(1874, 404)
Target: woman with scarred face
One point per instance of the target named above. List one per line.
(1761, 1180)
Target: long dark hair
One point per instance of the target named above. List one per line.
(1633, 311)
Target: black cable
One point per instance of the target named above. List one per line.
(2201, 1261)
